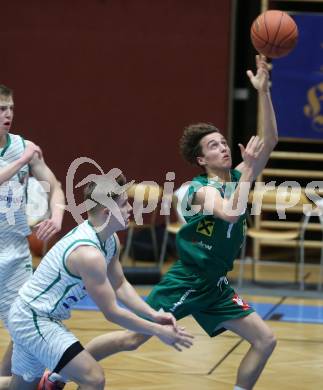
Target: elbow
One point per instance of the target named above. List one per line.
(228, 214)
(56, 189)
(231, 218)
(273, 140)
(112, 315)
(270, 144)
(59, 188)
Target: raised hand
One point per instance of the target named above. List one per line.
(253, 150)
(260, 80)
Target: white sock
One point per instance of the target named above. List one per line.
(238, 388)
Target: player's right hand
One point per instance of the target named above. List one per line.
(260, 80)
(175, 337)
(253, 150)
(31, 151)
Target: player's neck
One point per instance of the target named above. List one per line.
(102, 229)
(3, 140)
(222, 175)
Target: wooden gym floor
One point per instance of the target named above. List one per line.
(211, 363)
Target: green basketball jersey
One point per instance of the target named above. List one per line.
(208, 244)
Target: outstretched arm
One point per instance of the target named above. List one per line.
(90, 265)
(129, 296)
(229, 209)
(268, 124)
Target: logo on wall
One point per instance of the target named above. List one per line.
(314, 108)
(298, 83)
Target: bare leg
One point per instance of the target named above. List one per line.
(106, 345)
(110, 343)
(85, 371)
(253, 329)
(6, 361)
(5, 382)
(18, 383)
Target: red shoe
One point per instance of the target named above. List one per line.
(46, 384)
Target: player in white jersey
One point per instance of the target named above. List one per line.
(17, 158)
(85, 261)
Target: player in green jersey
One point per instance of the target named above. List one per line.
(211, 239)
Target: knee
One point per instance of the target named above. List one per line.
(133, 341)
(95, 377)
(266, 342)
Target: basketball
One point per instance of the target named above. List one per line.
(36, 245)
(274, 34)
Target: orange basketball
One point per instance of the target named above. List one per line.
(36, 245)
(274, 34)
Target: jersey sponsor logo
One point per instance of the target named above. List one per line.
(203, 245)
(9, 199)
(72, 299)
(239, 301)
(206, 228)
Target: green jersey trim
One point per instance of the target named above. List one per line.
(85, 241)
(115, 245)
(8, 143)
(71, 232)
(23, 142)
(36, 324)
(29, 168)
(102, 245)
(49, 287)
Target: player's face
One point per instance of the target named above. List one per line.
(216, 153)
(6, 114)
(125, 210)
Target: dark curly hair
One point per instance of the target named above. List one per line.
(189, 143)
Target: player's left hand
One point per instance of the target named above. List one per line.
(47, 228)
(165, 318)
(260, 80)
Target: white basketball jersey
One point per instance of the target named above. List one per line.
(13, 218)
(53, 290)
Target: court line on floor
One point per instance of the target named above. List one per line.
(266, 316)
(301, 340)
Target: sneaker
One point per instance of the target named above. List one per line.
(46, 384)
